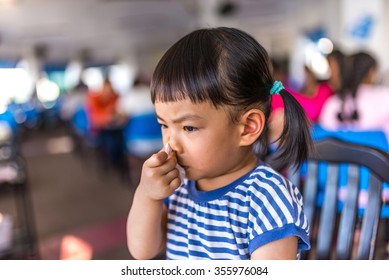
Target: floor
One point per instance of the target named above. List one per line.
(80, 208)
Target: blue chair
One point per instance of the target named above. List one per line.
(81, 126)
(316, 195)
(333, 229)
(8, 118)
(143, 135)
(374, 138)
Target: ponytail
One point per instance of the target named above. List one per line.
(295, 141)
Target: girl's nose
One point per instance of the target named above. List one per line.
(174, 144)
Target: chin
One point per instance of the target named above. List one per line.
(190, 176)
(194, 177)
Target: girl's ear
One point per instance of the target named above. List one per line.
(252, 124)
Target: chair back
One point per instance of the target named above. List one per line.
(80, 121)
(143, 135)
(373, 138)
(332, 230)
(144, 126)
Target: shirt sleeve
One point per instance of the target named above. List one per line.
(276, 212)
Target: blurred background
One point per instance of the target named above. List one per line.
(71, 144)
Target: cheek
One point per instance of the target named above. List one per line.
(199, 154)
(210, 151)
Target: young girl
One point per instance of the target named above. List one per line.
(212, 93)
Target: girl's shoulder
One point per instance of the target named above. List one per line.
(268, 185)
(264, 174)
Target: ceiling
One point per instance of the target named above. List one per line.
(60, 30)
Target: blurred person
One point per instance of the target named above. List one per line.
(280, 70)
(313, 94)
(73, 101)
(107, 126)
(101, 107)
(73, 113)
(311, 97)
(362, 104)
(142, 132)
(137, 101)
(337, 65)
(212, 92)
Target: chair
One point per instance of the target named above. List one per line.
(81, 132)
(13, 178)
(142, 137)
(373, 138)
(333, 227)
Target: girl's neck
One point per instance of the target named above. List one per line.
(247, 164)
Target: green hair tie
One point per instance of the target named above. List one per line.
(276, 88)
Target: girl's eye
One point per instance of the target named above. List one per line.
(163, 125)
(190, 128)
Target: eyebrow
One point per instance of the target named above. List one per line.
(190, 117)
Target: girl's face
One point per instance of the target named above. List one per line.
(206, 142)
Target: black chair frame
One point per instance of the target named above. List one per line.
(327, 217)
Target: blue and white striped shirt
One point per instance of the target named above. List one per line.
(233, 221)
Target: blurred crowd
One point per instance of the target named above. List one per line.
(121, 128)
(352, 98)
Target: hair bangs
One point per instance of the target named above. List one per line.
(179, 83)
(189, 70)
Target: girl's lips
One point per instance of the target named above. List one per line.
(183, 166)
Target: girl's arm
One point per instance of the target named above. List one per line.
(146, 227)
(146, 224)
(282, 249)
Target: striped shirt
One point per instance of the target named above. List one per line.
(233, 221)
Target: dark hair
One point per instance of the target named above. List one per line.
(228, 67)
(359, 65)
(340, 60)
(139, 80)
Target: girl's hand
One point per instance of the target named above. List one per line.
(160, 177)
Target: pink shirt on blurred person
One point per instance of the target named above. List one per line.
(372, 104)
(312, 105)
